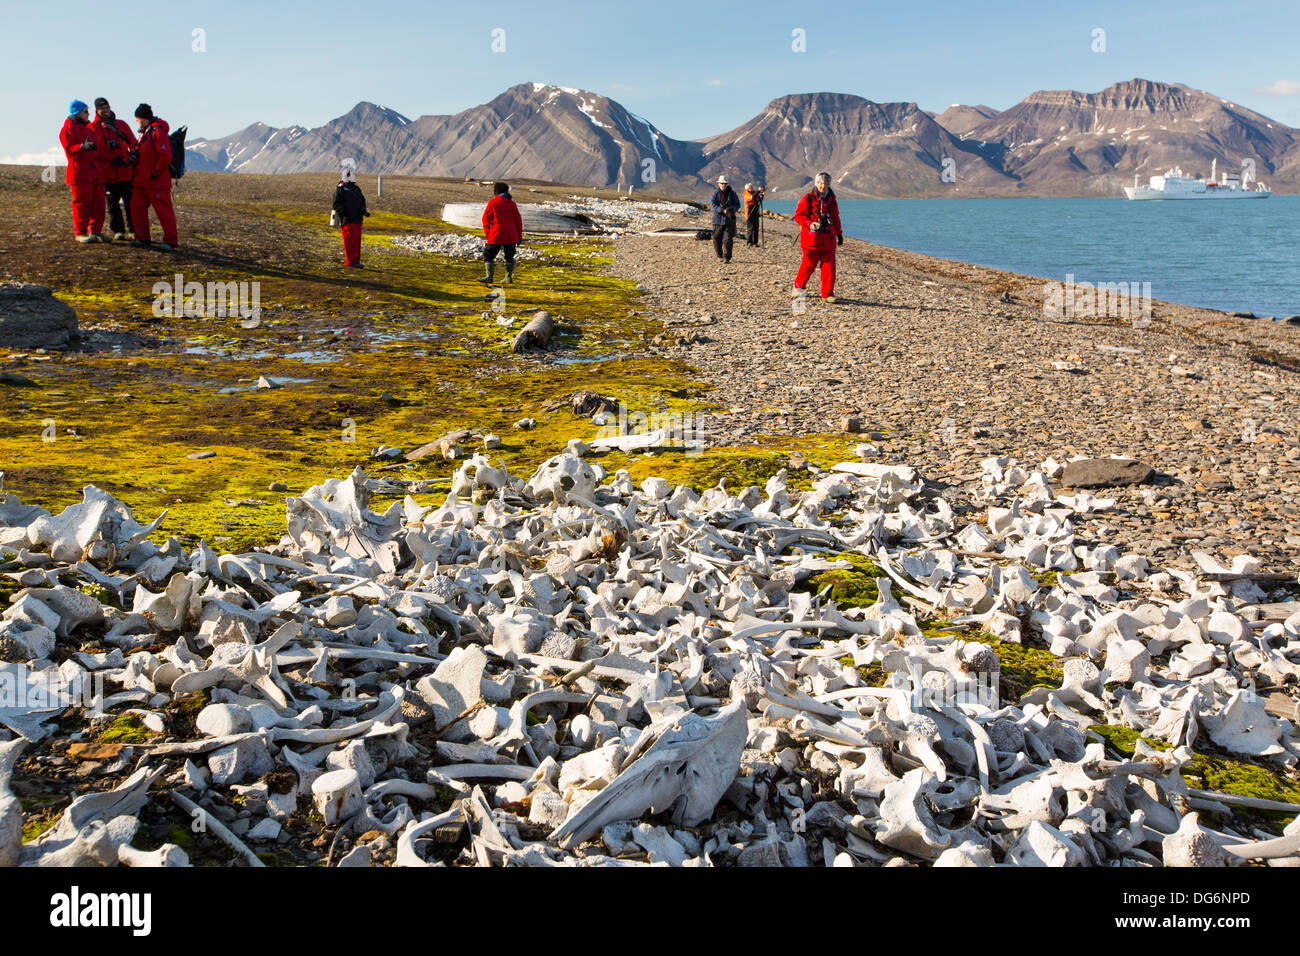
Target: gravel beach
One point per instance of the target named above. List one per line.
(932, 357)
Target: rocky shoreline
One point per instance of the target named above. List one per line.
(950, 364)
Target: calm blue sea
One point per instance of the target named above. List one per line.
(1239, 256)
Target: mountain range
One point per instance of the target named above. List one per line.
(1053, 143)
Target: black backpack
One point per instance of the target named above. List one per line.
(177, 139)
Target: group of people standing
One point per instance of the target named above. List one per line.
(112, 170)
(818, 218)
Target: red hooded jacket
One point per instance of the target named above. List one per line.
(502, 224)
(151, 168)
(808, 211)
(83, 165)
(114, 161)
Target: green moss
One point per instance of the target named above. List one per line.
(872, 675)
(33, 829)
(854, 586)
(8, 588)
(445, 794)
(1221, 772)
(1046, 579)
(1024, 667)
(100, 593)
(127, 729)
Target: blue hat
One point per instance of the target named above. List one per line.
(76, 106)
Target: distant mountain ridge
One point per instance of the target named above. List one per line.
(1052, 143)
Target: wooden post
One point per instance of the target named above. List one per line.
(380, 192)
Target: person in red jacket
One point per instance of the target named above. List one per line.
(152, 183)
(503, 229)
(818, 216)
(115, 163)
(81, 145)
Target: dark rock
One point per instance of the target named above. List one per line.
(1106, 473)
(30, 317)
(13, 378)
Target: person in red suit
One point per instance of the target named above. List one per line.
(503, 230)
(818, 216)
(118, 143)
(152, 183)
(350, 206)
(81, 145)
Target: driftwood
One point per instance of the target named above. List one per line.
(536, 334)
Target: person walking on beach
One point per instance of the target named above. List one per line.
(350, 209)
(151, 184)
(503, 230)
(724, 202)
(81, 145)
(753, 210)
(118, 144)
(818, 216)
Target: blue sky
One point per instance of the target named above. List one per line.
(693, 69)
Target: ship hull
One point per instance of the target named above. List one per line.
(1147, 193)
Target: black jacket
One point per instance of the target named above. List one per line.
(349, 203)
(724, 206)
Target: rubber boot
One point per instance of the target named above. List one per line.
(487, 279)
(510, 272)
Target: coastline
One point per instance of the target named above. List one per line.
(919, 344)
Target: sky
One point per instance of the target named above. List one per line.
(692, 69)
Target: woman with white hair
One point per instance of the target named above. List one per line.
(818, 216)
(350, 210)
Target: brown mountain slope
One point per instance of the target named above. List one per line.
(1069, 143)
(958, 119)
(871, 149)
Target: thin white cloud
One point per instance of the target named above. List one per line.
(1280, 88)
(52, 157)
(715, 82)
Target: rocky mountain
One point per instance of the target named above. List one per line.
(231, 153)
(871, 150)
(367, 133)
(961, 119)
(1054, 143)
(530, 131)
(1062, 142)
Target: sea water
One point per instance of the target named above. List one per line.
(1235, 255)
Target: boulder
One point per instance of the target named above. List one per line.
(1106, 473)
(31, 318)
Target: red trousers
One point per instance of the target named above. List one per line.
(352, 243)
(811, 257)
(87, 208)
(142, 197)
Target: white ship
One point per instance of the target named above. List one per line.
(1174, 185)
